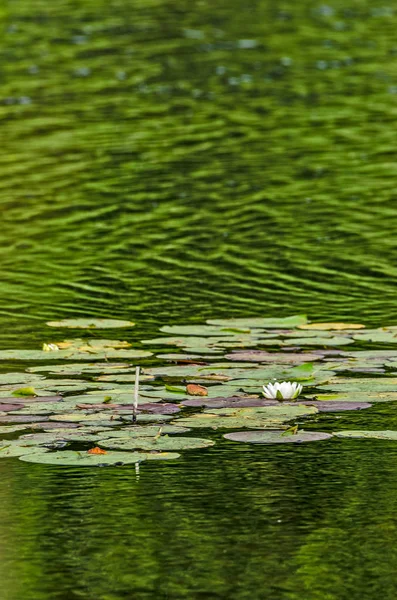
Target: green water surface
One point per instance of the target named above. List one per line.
(169, 161)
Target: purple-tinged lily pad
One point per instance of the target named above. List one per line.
(276, 437)
(22, 418)
(8, 407)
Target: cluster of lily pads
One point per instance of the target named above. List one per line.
(75, 404)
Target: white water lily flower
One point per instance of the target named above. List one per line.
(282, 391)
(50, 348)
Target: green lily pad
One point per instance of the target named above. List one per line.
(189, 358)
(279, 358)
(20, 378)
(215, 391)
(83, 459)
(202, 330)
(133, 431)
(91, 353)
(377, 336)
(10, 449)
(332, 326)
(379, 435)
(255, 418)
(358, 397)
(7, 429)
(113, 397)
(276, 437)
(265, 323)
(370, 385)
(91, 323)
(162, 443)
(324, 341)
(80, 368)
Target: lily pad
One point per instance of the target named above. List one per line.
(331, 326)
(21, 418)
(370, 385)
(254, 418)
(162, 443)
(378, 336)
(7, 429)
(10, 407)
(80, 368)
(202, 330)
(83, 459)
(91, 323)
(266, 323)
(29, 399)
(379, 435)
(336, 340)
(74, 354)
(19, 450)
(358, 397)
(133, 431)
(279, 358)
(20, 378)
(276, 437)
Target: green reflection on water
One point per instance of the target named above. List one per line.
(315, 522)
(172, 160)
(162, 159)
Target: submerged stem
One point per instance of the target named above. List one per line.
(136, 395)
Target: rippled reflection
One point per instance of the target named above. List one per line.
(165, 161)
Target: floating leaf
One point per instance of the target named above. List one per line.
(279, 358)
(80, 368)
(13, 450)
(196, 390)
(26, 391)
(202, 330)
(370, 385)
(74, 354)
(21, 418)
(96, 450)
(319, 341)
(255, 418)
(7, 429)
(379, 435)
(377, 336)
(358, 397)
(265, 323)
(162, 443)
(83, 459)
(331, 326)
(276, 437)
(91, 323)
(324, 406)
(10, 407)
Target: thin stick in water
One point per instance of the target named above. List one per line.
(136, 395)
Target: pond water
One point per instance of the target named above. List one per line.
(169, 162)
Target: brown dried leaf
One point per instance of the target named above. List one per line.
(194, 389)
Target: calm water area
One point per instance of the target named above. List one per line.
(171, 161)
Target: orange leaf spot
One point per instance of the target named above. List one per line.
(96, 450)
